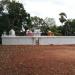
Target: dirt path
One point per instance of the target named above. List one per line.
(37, 60)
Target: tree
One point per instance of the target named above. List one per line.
(60, 30)
(3, 20)
(62, 17)
(50, 21)
(39, 23)
(67, 28)
(67, 24)
(72, 27)
(16, 16)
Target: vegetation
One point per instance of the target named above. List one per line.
(13, 15)
(68, 26)
(63, 17)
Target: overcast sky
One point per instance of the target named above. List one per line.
(50, 8)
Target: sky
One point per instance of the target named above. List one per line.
(50, 8)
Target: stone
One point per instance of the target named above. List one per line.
(4, 33)
(12, 32)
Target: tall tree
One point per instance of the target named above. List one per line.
(15, 17)
(50, 21)
(39, 23)
(3, 20)
(72, 27)
(17, 14)
(67, 28)
(63, 17)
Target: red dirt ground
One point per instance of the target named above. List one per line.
(37, 60)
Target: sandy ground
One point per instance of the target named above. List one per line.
(37, 60)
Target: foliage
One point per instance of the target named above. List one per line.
(63, 14)
(54, 29)
(62, 17)
(15, 18)
(68, 29)
(39, 23)
(3, 20)
(72, 27)
(17, 15)
(49, 21)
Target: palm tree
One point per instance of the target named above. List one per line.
(63, 17)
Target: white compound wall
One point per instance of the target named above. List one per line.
(38, 40)
(57, 40)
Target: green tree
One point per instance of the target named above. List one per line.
(60, 30)
(72, 27)
(67, 28)
(50, 21)
(55, 30)
(3, 20)
(15, 17)
(62, 17)
(39, 23)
